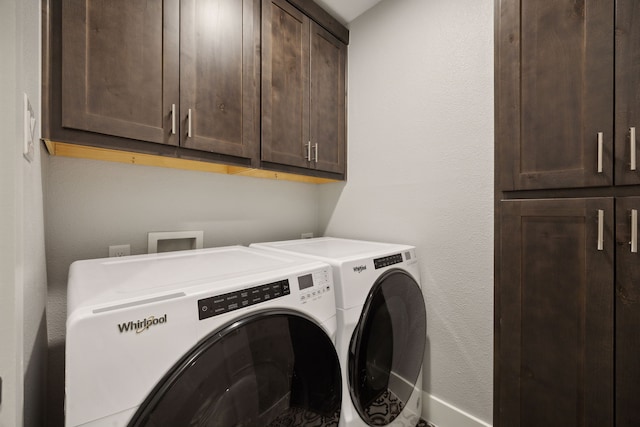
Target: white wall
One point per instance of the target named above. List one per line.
(91, 205)
(23, 273)
(421, 172)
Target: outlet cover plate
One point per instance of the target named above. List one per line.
(29, 130)
(119, 250)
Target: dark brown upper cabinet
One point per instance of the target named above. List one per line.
(303, 91)
(555, 322)
(219, 76)
(179, 73)
(627, 111)
(120, 68)
(555, 93)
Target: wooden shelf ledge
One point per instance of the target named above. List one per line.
(85, 152)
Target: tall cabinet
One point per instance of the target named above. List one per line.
(567, 290)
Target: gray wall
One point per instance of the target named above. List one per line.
(421, 172)
(23, 273)
(91, 205)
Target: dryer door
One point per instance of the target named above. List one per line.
(387, 348)
(269, 369)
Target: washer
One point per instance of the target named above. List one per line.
(217, 337)
(381, 327)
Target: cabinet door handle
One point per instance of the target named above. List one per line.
(173, 119)
(634, 231)
(600, 148)
(308, 156)
(316, 152)
(632, 148)
(600, 229)
(189, 124)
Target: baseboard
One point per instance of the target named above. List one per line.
(442, 414)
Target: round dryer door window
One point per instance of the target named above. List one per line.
(387, 348)
(272, 369)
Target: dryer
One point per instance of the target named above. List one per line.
(215, 337)
(381, 326)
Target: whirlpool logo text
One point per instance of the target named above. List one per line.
(142, 325)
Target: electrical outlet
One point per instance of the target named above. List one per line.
(306, 235)
(119, 250)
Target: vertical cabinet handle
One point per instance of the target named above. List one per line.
(600, 229)
(316, 152)
(634, 231)
(173, 119)
(308, 156)
(600, 148)
(189, 124)
(632, 148)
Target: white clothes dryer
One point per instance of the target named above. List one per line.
(215, 337)
(381, 327)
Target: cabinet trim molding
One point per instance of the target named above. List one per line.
(64, 149)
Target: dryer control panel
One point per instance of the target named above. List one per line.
(232, 301)
(388, 260)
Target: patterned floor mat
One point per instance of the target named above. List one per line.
(296, 417)
(386, 408)
(381, 412)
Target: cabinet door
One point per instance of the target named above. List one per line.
(327, 111)
(627, 315)
(554, 89)
(554, 325)
(285, 84)
(627, 114)
(120, 67)
(219, 76)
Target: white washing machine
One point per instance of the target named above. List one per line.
(216, 337)
(381, 327)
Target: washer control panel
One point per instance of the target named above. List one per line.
(314, 285)
(220, 304)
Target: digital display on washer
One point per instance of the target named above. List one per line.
(220, 304)
(305, 282)
(387, 261)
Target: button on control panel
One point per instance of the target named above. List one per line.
(387, 261)
(220, 304)
(314, 285)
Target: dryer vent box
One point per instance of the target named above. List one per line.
(167, 241)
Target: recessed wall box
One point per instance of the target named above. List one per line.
(166, 241)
